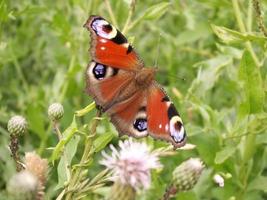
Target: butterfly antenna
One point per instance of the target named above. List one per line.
(157, 53)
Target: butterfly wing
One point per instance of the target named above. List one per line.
(149, 112)
(105, 83)
(129, 116)
(109, 46)
(164, 122)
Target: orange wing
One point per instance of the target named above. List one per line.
(104, 83)
(164, 121)
(110, 47)
(129, 116)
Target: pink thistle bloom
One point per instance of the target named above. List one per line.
(131, 164)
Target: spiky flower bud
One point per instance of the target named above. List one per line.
(121, 191)
(55, 111)
(186, 175)
(22, 186)
(17, 125)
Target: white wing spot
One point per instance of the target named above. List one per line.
(177, 135)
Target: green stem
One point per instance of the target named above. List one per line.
(249, 19)
(113, 19)
(130, 14)
(66, 81)
(19, 71)
(249, 149)
(65, 86)
(75, 176)
(242, 28)
(65, 159)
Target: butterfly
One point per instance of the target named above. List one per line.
(126, 90)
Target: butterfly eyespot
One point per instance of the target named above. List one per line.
(104, 29)
(177, 129)
(140, 124)
(99, 71)
(107, 28)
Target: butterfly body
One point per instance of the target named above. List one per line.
(126, 90)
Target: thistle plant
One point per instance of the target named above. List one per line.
(130, 166)
(220, 50)
(39, 168)
(16, 126)
(185, 177)
(23, 186)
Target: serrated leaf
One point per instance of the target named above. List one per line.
(250, 75)
(67, 135)
(156, 11)
(224, 154)
(229, 36)
(102, 141)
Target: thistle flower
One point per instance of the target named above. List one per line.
(17, 125)
(132, 163)
(55, 111)
(38, 167)
(22, 186)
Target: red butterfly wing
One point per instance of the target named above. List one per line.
(104, 83)
(129, 116)
(110, 47)
(163, 119)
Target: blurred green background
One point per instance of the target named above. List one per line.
(198, 46)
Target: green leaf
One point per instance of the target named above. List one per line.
(65, 160)
(85, 110)
(229, 36)
(102, 141)
(224, 154)
(208, 73)
(67, 135)
(250, 76)
(259, 183)
(156, 11)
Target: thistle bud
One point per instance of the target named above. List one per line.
(17, 125)
(186, 175)
(121, 191)
(55, 111)
(22, 186)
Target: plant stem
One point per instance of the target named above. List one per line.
(66, 82)
(249, 149)
(61, 98)
(130, 14)
(113, 19)
(170, 192)
(242, 28)
(65, 159)
(14, 147)
(76, 172)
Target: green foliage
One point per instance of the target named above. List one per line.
(215, 46)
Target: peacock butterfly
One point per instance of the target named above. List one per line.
(127, 91)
